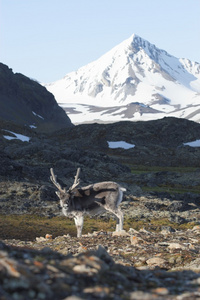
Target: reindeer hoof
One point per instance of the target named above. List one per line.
(120, 233)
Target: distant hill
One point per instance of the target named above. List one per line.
(25, 102)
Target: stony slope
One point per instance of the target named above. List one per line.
(25, 102)
(158, 164)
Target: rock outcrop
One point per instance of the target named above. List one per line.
(25, 102)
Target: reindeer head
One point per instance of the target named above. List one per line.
(65, 196)
(64, 199)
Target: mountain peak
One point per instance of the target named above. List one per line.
(135, 80)
(137, 40)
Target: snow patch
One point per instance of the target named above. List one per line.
(37, 115)
(193, 144)
(16, 136)
(120, 144)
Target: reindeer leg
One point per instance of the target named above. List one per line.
(79, 224)
(120, 219)
(117, 225)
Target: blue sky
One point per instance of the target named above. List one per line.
(46, 39)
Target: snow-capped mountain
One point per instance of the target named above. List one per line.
(133, 81)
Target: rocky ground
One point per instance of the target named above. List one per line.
(133, 265)
(156, 257)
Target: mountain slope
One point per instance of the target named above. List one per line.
(133, 81)
(25, 102)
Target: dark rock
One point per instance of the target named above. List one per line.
(177, 219)
(24, 101)
(47, 193)
(155, 206)
(167, 229)
(178, 206)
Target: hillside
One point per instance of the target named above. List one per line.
(158, 146)
(25, 102)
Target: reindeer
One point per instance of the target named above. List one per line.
(89, 200)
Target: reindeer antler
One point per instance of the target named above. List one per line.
(76, 180)
(53, 178)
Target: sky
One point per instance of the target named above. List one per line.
(46, 39)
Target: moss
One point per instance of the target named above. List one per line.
(172, 190)
(28, 227)
(139, 169)
(156, 224)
